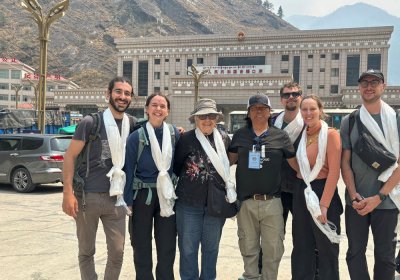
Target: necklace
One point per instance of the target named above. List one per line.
(312, 139)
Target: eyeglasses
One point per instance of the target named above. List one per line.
(258, 108)
(373, 83)
(294, 94)
(209, 116)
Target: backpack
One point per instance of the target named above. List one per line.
(143, 141)
(78, 182)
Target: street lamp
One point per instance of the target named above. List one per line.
(17, 88)
(43, 23)
(197, 77)
(35, 91)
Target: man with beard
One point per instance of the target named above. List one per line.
(368, 203)
(99, 160)
(291, 121)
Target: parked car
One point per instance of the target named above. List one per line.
(30, 159)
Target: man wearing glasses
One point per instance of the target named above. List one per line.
(367, 191)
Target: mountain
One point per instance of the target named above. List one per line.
(358, 15)
(81, 43)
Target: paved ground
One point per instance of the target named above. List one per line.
(38, 242)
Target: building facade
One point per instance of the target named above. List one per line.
(19, 84)
(323, 62)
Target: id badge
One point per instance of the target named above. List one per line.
(254, 160)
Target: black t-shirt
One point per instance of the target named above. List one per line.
(266, 180)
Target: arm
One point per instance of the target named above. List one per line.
(370, 203)
(348, 178)
(294, 164)
(70, 203)
(233, 158)
(130, 164)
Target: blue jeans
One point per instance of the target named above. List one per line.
(196, 227)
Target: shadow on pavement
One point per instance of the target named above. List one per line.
(39, 190)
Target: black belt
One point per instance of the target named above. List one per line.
(262, 197)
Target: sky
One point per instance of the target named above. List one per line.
(324, 7)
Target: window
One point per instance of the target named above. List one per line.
(334, 89)
(335, 56)
(157, 61)
(309, 70)
(177, 73)
(166, 60)
(165, 88)
(321, 69)
(310, 56)
(27, 87)
(334, 72)
(127, 68)
(50, 88)
(374, 61)
(3, 97)
(166, 73)
(200, 60)
(4, 74)
(4, 86)
(352, 70)
(309, 86)
(285, 57)
(322, 56)
(178, 60)
(296, 68)
(156, 89)
(321, 87)
(15, 74)
(143, 77)
(157, 75)
(31, 144)
(62, 87)
(284, 71)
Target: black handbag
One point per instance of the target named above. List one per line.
(217, 205)
(370, 151)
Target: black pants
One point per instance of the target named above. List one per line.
(287, 204)
(307, 237)
(383, 225)
(140, 228)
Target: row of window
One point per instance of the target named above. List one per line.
(7, 86)
(5, 97)
(334, 56)
(5, 74)
(334, 71)
(157, 61)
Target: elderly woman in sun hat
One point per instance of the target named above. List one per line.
(200, 156)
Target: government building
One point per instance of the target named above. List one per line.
(324, 62)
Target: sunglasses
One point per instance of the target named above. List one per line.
(209, 116)
(373, 83)
(294, 94)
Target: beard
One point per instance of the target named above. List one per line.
(115, 106)
(291, 107)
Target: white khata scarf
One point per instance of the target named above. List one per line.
(117, 143)
(162, 159)
(293, 128)
(389, 139)
(312, 201)
(219, 160)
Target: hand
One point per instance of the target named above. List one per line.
(181, 130)
(323, 217)
(70, 204)
(357, 202)
(368, 205)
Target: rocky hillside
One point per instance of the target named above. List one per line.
(82, 42)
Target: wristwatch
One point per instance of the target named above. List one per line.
(382, 196)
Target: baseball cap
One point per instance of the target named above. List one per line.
(372, 72)
(259, 98)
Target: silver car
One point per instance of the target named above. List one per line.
(30, 159)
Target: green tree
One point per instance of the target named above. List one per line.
(280, 12)
(268, 5)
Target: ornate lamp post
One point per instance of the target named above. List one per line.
(197, 77)
(16, 88)
(43, 23)
(35, 91)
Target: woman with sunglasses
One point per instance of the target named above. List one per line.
(200, 156)
(316, 203)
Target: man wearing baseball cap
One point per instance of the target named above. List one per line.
(258, 149)
(368, 203)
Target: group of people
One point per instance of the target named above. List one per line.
(163, 178)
